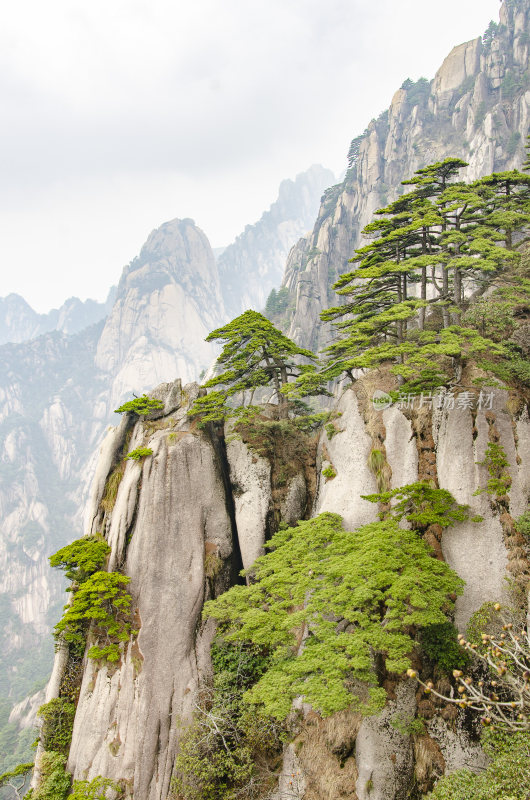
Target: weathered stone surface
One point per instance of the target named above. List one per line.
(400, 446)
(348, 453)
(108, 455)
(292, 507)
(475, 550)
(462, 62)
(383, 754)
(250, 477)
(458, 750)
(292, 782)
(126, 722)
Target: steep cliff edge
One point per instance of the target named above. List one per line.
(477, 108)
(58, 392)
(182, 520)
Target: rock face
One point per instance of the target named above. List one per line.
(250, 476)
(477, 108)
(254, 264)
(167, 302)
(182, 499)
(58, 391)
(186, 518)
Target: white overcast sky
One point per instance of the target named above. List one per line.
(121, 114)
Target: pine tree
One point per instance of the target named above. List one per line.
(255, 354)
(357, 598)
(444, 234)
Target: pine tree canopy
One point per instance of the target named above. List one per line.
(256, 354)
(404, 299)
(348, 597)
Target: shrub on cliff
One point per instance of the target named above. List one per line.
(140, 405)
(354, 599)
(104, 601)
(57, 723)
(82, 558)
(507, 776)
(96, 789)
(139, 454)
(227, 751)
(55, 782)
(421, 505)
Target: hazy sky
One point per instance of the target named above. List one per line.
(121, 114)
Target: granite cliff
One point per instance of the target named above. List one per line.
(199, 506)
(476, 108)
(59, 383)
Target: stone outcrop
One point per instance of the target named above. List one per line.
(127, 720)
(185, 520)
(250, 476)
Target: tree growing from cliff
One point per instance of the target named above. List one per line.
(255, 355)
(103, 602)
(353, 599)
(445, 235)
(82, 558)
(99, 599)
(140, 405)
(16, 779)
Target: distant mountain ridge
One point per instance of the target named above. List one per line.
(19, 322)
(254, 264)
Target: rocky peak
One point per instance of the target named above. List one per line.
(476, 108)
(253, 265)
(178, 251)
(462, 63)
(168, 300)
